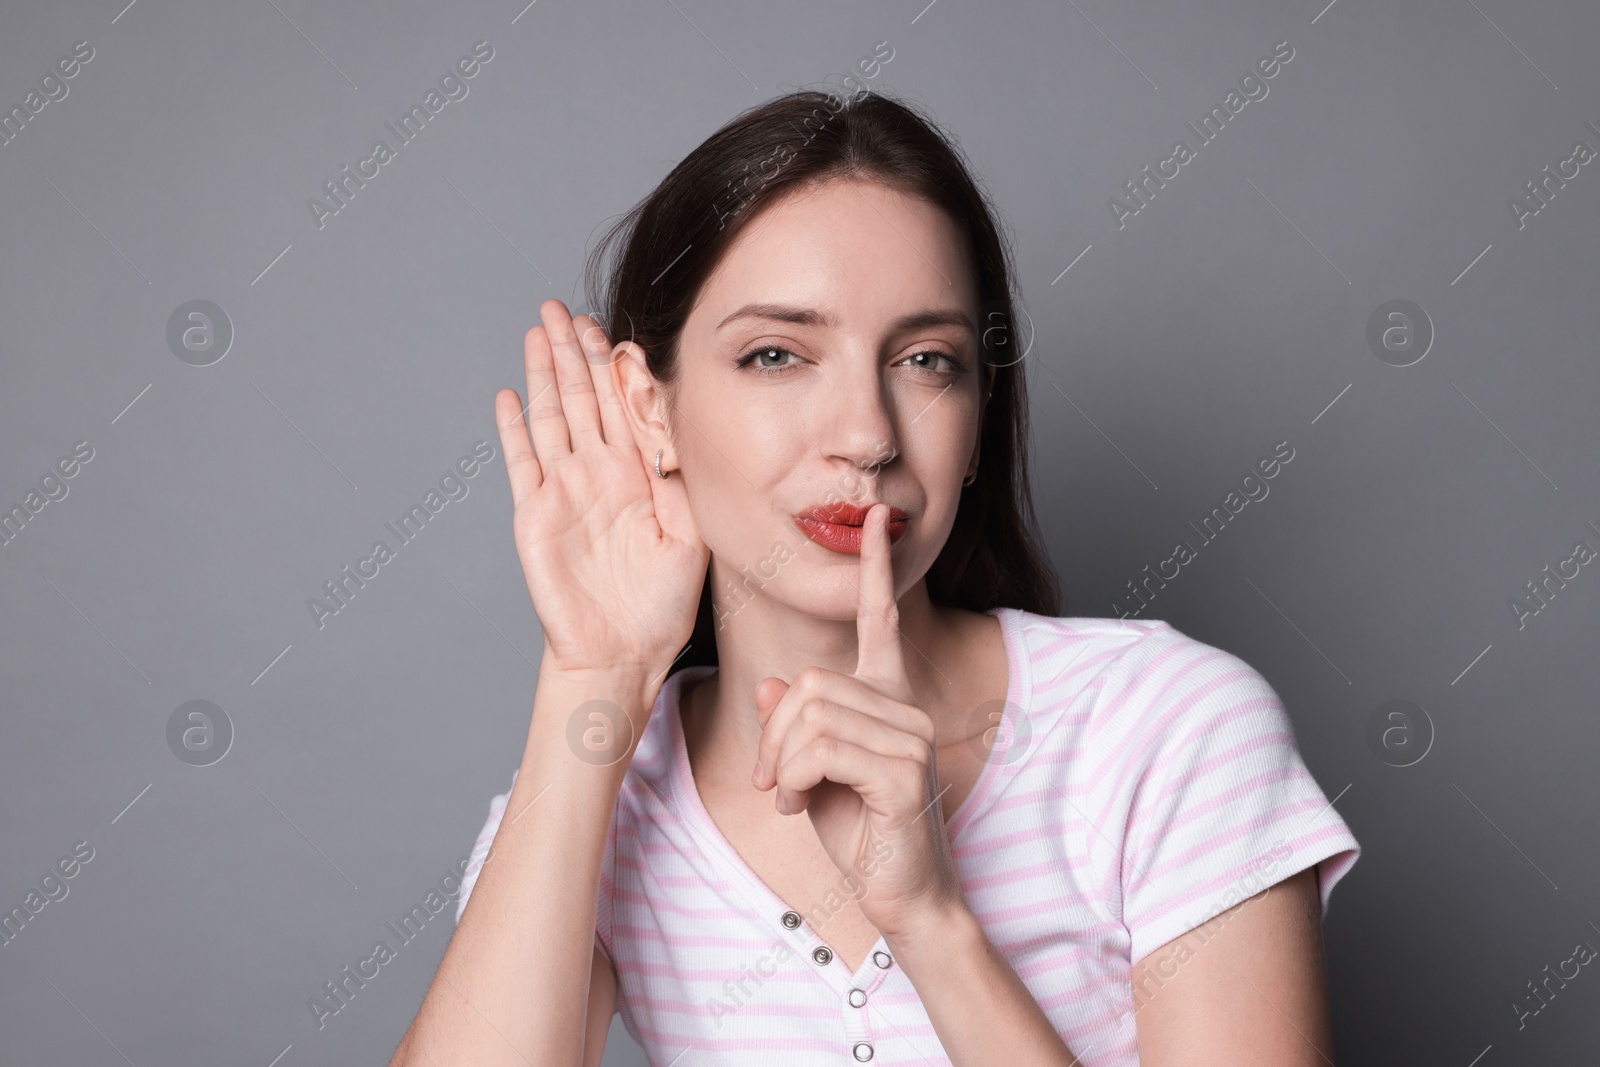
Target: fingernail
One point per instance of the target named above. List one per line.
(755, 776)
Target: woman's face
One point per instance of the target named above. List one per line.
(832, 357)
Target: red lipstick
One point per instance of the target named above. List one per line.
(838, 527)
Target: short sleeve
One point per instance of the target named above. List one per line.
(480, 849)
(1195, 761)
(480, 853)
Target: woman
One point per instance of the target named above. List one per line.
(1029, 839)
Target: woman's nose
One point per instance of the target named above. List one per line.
(862, 420)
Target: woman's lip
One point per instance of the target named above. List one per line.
(844, 537)
(844, 513)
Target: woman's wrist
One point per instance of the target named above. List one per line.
(932, 934)
(638, 677)
(596, 713)
(615, 668)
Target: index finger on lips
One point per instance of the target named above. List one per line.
(878, 654)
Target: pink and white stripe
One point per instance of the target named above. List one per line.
(1156, 783)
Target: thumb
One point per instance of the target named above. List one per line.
(768, 694)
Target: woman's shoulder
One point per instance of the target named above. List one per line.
(1142, 642)
(1087, 626)
(1140, 670)
(1080, 637)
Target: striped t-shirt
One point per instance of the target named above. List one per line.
(1140, 782)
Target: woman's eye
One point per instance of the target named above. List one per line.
(932, 356)
(759, 357)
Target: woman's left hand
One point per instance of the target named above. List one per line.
(854, 752)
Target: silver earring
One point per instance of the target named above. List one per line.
(969, 479)
(659, 474)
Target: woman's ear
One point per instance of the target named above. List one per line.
(644, 399)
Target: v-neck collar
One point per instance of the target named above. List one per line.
(685, 797)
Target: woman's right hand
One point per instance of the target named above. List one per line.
(612, 558)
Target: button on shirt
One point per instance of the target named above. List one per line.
(1140, 783)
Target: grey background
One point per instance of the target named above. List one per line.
(1228, 315)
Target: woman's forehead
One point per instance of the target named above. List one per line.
(855, 255)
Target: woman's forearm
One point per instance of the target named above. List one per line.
(513, 985)
(980, 1009)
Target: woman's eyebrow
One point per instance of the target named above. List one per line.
(812, 317)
